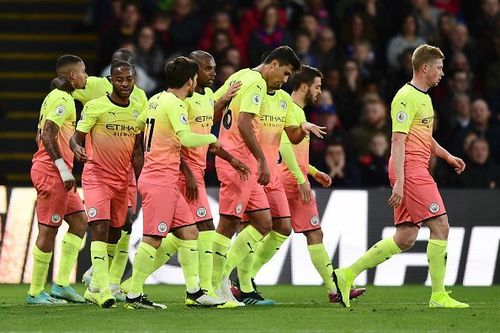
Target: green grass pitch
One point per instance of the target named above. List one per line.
(301, 309)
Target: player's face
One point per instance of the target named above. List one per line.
(122, 80)
(278, 75)
(434, 72)
(206, 74)
(79, 76)
(314, 91)
(194, 82)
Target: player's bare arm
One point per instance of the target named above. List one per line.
(456, 162)
(239, 166)
(320, 176)
(138, 155)
(76, 145)
(191, 185)
(297, 133)
(224, 101)
(49, 139)
(398, 154)
(245, 126)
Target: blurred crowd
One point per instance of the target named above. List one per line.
(364, 50)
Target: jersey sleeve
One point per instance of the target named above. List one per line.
(290, 118)
(289, 159)
(84, 95)
(251, 98)
(58, 111)
(220, 92)
(88, 119)
(178, 118)
(141, 120)
(402, 114)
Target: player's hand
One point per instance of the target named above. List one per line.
(323, 179)
(242, 169)
(305, 192)
(80, 154)
(308, 128)
(214, 147)
(191, 188)
(397, 195)
(232, 91)
(264, 173)
(457, 163)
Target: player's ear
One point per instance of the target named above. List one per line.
(304, 87)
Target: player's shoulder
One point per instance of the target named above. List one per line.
(249, 76)
(59, 96)
(284, 96)
(139, 94)
(98, 103)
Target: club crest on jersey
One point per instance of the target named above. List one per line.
(314, 220)
(201, 212)
(162, 227)
(402, 116)
(183, 119)
(60, 110)
(56, 218)
(283, 105)
(257, 99)
(239, 208)
(92, 212)
(434, 207)
(135, 114)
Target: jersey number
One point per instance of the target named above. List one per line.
(148, 133)
(227, 120)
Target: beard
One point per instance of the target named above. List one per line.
(309, 99)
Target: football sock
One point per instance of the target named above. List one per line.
(376, 255)
(120, 260)
(243, 244)
(141, 268)
(323, 264)
(206, 259)
(100, 262)
(111, 249)
(41, 261)
(245, 271)
(267, 249)
(71, 244)
(189, 261)
(436, 254)
(220, 248)
(169, 246)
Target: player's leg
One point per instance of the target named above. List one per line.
(206, 234)
(436, 254)
(50, 208)
(71, 244)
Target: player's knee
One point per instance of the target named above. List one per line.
(100, 230)
(282, 226)
(314, 236)
(405, 243)
(77, 224)
(45, 239)
(205, 225)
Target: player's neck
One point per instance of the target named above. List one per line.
(298, 99)
(179, 93)
(118, 100)
(63, 84)
(419, 83)
(200, 90)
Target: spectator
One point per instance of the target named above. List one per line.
(252, 18)
(446, 24)
(408, 38)
(303, 49)
(374, 121)
(221, 21)
(161, 26)
(491, 81)
(331, 81)
(268, 36)
(358, 30)
(365, 58)
(124, 30)
(320, 12)
(481, 171)
(149, 55)
(232, 56)
(224, 71)
(427, 17)
(221, 41)
(373, 165)
(348, 95)
(325, 113)
(309, 23)
(327, 52)
(344, 174)
(403, 74)
(185, 28)
(459, 41)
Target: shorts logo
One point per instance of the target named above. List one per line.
(314, 220)
(135, 114)
(239, 208)
(283, 104)
(183, 119)
(60, 110)
(92, 212)
(56, 218)
(434, 207)
(401, 117)
(201, 212)
(162, 227)
(256, 99)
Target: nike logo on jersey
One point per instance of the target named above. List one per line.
(100, 258)
(113, 113)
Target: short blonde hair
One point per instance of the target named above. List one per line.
(425, 54)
